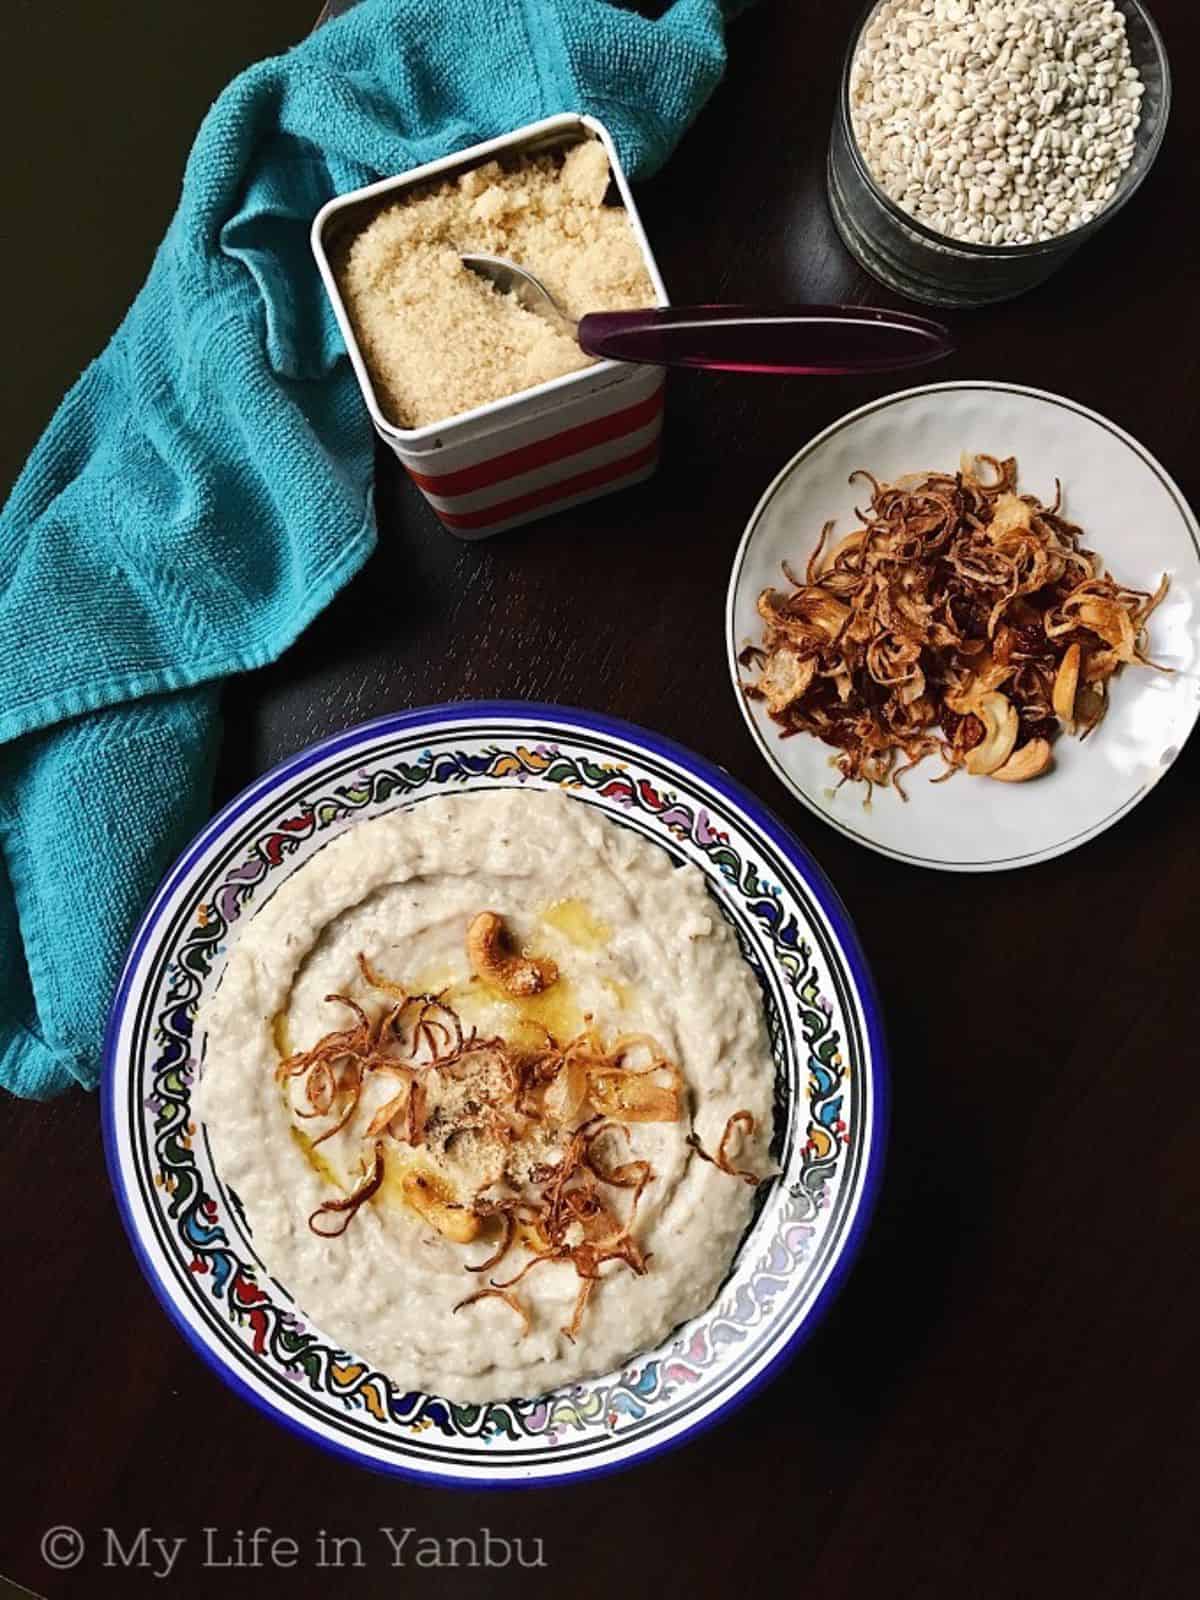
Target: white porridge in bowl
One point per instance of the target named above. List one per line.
(491, 1081)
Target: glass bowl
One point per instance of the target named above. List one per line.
(916, 260)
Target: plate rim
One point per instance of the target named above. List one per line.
(767, 749)
(731, 791)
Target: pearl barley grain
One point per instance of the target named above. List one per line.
(1021, 91)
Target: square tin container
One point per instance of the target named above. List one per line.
(556, 445)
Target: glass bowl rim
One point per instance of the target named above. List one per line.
(1006, 252)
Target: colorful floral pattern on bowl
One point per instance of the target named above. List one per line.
(186, 1226)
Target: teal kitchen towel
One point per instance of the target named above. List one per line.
(205, 488)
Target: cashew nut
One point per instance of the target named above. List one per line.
(785, 678)
(1029, 761)
(430, 1198)
(493, 959)
(1090, 705)
(1066, 682)
(1001, 726)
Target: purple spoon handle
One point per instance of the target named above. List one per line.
(811, 339)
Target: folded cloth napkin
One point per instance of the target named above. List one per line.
(204, 489)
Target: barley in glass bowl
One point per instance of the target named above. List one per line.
(978, 143)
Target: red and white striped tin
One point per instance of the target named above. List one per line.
(546, 448)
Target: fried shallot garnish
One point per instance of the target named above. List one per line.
(574, 1099)
(570, 1220)
(964, 619)
(741, 1121)
(498, 1294)
(345, 1208)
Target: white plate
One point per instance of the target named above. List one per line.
(1131, 513)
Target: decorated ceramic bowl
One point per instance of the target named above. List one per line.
(822, 1018)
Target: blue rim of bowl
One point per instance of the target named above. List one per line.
(731, 791)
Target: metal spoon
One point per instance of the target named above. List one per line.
(809, 339)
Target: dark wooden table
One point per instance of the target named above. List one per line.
(1004, 1400)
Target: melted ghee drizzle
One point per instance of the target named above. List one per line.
(491, 1010)
(397, 1164)
(315, 1159)
(575, 922)
(555, 1009)
(279, 1033)
(435, 980)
